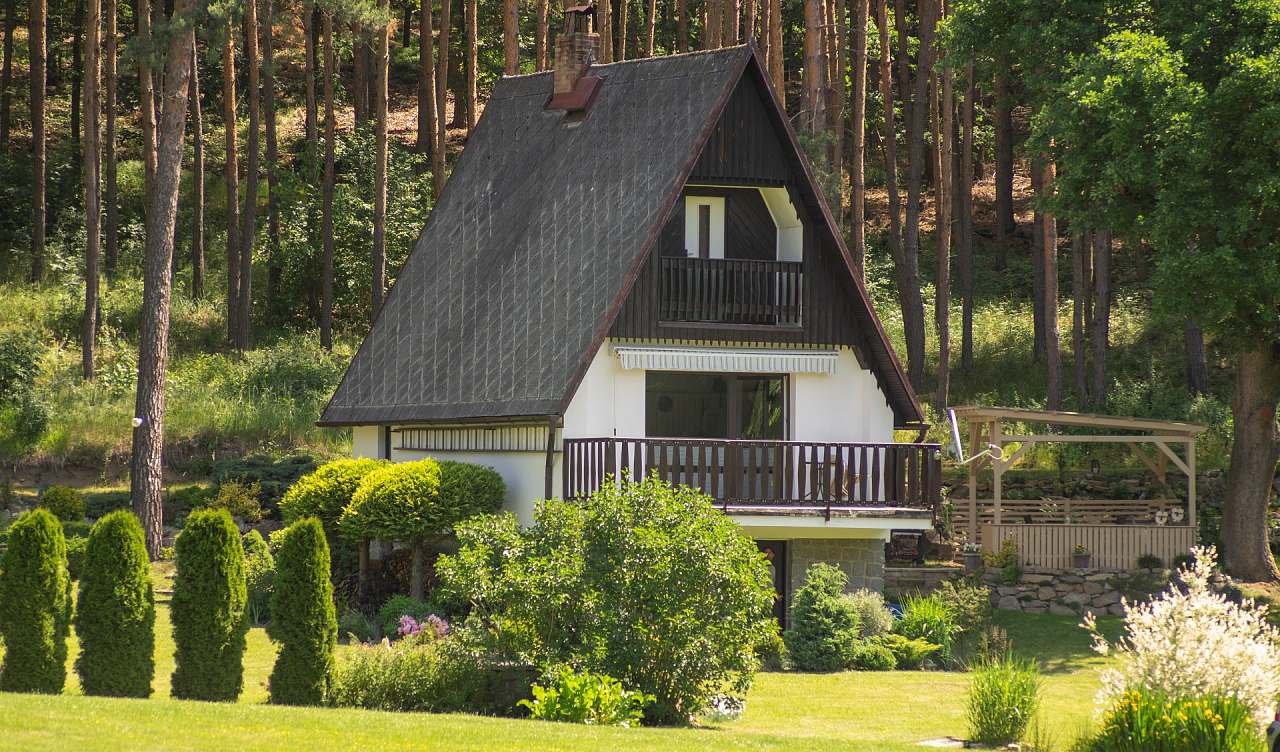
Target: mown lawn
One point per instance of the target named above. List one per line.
(891, 711)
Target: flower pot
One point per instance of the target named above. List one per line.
(972, 561)
(1080, 561)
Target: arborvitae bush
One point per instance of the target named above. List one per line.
(824, 629)
(305, 623)
(35, 605)
(116, 614)
(65, 503)
(259, 576)
(208, 608)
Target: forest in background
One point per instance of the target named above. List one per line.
(231, 166)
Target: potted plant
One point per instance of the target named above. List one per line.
(972, 557)
(1080, 557)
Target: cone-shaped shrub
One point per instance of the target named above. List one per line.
(824, 625)
(35, 605)
(304, 621)
(327, 491)
(116, 613)
(208, 609)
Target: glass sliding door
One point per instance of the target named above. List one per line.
(715, 406)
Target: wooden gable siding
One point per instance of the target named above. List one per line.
(744, 147)
(749, 231)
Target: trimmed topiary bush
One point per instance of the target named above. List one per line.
(259, 576)
(208, 609)
(35, 605)
(116, 612)
(824, 624)
(327, 491)
(305, 624)
(66, 504)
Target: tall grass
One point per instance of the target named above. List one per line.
(1151, 722)
(1003, 698)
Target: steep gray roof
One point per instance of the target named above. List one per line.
(525, 258)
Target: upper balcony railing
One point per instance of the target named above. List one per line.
(730, 291)
(817, 476)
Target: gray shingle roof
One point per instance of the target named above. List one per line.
(522, 264)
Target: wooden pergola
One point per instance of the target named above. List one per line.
(1108, 527)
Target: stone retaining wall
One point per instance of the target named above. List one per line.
(899, 580)
(1069, 592)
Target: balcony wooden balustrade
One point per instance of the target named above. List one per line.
(818, 476)
(730, 291)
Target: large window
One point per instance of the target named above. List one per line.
(715, 406)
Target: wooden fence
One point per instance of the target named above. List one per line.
(1110, 546)
(730, 291)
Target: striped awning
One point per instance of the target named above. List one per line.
(726, 360)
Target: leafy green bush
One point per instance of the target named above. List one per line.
(970, 607)
(20, 353)
(76, 548)
(593, 699)
(179, 502)
(304, 624)
(98, 504)
(824, 629)
(641, 581)
(929, 618)
(908, 653)
(259, 575)
(67, 504)
(874, 617)
(208, 609)
(871, 655)
(437, 676)
(1151, 722)
(326, 491)
(356, 626)
(402, 605)
(23, 421)
(239, 499)
(1150, 561)
(35, 605)
(76, 529)
(116, 612)
(477, 489)
(772, 651)
(273, 475)
(1003, 697)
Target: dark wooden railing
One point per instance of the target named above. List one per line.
(818, 475)
(729, 291)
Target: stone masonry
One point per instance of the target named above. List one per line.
(1069, 592)
(862, 560)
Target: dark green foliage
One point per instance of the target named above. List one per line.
(824, 629)
(65, 503)
(1150, 561)
(929, 618)
(22, 422)
(474, 488)
(116, 612)
(871, 655)
(239, 499)
(401, 502)
(77, 529)
(178, 502)
(354, 625)
(908, 652)
(305, 623)
(19, 363)
(208, 609)
(98, 504)
(326, 491)
(644, 582)
(260, 575)
(76, 549)
(272, 475)
(402, 605)
(35, 605)
(970, 606)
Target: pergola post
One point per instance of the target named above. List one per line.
(997, 470)
(975, 433)
(1191, 481)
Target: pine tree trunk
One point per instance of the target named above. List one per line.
(964, 244)
(406, 22)
(326, 212)
(945, 128)
(651, 25)
(442, 97)
(360, 75)
(379, 259)
(621, 53)
(471, 18)
(836, 85)
(110, 188)
(814, 67)
(77, 72)
(511, 36)
(231, 173)
(857, 168)
(1003, 116)
(249, 217)
(604, 20)
(309, 76)
(1101, 314)
(1053, 349)
(6, 72)
(1037, 268)
(1197, 368)
(541, 41)
(92, 205)
(909, 278)
(146, 468)
(888, 137)
(146, 93)
(197, 179)
(275, 269)
(417, 572)
(1251, 477)
(426, 82)
(777, 68)
(1079, 280)
(36, 44)
(682, 25)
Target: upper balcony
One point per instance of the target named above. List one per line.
(728, 291)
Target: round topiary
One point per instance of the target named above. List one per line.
(208, 608)
(35, 605)
(66, 504)
(116, 613)
(305, 622)
(471, 489)
(824, 625)
(327, 491)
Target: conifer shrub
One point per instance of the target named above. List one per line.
(824, 631)
(325, 492)
(116, 612)
(77, 547)
(208, 609)
(305, 623)
(35, 605)
(259, 576)
(66, 504)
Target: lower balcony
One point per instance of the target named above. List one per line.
(756, 476)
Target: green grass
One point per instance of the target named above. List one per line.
(891, 711)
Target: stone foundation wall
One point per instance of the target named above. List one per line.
(1070, 592)
(862, 561)
(899, 580)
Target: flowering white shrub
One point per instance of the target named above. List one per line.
(1194, 644)
(725, 708)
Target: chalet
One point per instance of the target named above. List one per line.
(633, 270)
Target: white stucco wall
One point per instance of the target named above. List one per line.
(845, 406)
(364, 441)
(610, 400)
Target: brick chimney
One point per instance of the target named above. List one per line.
(577, 47)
